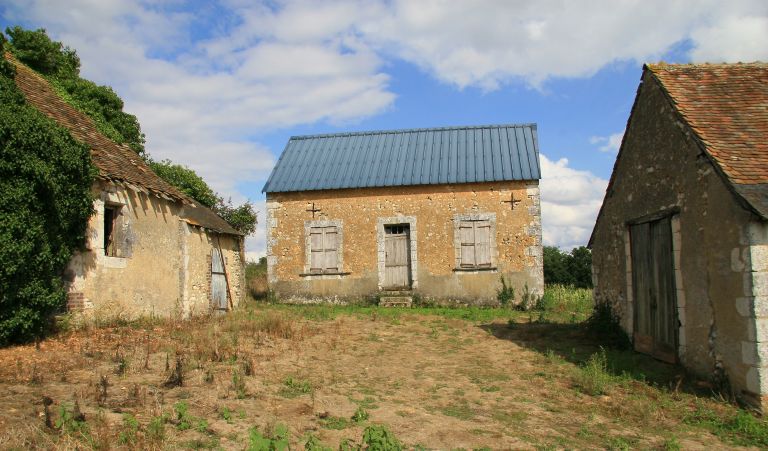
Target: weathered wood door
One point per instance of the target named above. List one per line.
(218, 281)
(397, 261)
(653, 286)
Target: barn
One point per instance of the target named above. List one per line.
(151, 250)
(680, 247)
(440, 214)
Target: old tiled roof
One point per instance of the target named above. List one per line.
(726, 107)
(115, 162)
(425, 156)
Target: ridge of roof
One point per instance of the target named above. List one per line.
(116, 163)
(411, 130)
(661, 65)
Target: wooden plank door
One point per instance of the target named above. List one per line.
(397, 260)
(218, 281)
(653, 287)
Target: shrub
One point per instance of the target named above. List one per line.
(593, 378)
(45, 202)
(605, 325)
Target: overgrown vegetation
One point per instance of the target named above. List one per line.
(242, 217)
(572, 268)
(45, 203)
(316, 369)
(256, 278)
(61, 66)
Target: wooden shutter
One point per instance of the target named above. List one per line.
(324, 245)
(482, 243)
(330, 247)
(317, 254)
(467, 236)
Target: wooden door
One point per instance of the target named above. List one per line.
(653, 286)
(397, 261)
(218, 281)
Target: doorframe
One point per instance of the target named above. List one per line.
(381, 248)
(680, 303)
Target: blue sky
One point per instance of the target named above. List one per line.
(220, 86)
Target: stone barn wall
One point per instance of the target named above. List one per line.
(661, 168)
(431, 211)
(162, 266)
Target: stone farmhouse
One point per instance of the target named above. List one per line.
(150, 250)
(440, 214)
(680, 248)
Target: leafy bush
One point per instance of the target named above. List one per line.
(38, 51)
(45, 202)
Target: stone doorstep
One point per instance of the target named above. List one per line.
(395, 299)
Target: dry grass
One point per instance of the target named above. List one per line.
(441, 379)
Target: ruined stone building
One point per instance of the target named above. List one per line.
(437, 214)
(680, 248)
(150, 250)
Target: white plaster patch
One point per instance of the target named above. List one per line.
(753, 380)
(749, 353)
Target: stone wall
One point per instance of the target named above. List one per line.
(431, 212)
(161, 265)
(661, 168)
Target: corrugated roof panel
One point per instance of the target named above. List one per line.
(407, 157)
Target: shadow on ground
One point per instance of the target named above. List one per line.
(573, 343)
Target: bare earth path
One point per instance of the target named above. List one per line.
(435, 381)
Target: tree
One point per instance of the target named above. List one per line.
(45, 202)
(564, 268)
(60, 65)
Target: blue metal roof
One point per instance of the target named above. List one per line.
(427, 156)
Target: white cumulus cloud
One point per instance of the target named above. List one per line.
(609, 143)
(570, 201)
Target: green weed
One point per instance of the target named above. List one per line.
(378, 437)
(593, 377)
(293, 388)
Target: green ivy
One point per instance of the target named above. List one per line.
(45, 202)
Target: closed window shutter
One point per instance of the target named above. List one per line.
(467, 236)
(482, 243)
(317, 254)
(330, 247)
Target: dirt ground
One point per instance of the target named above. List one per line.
(435, 381)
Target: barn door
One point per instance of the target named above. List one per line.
(653, 286)
(397, 261)
(218, 281)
